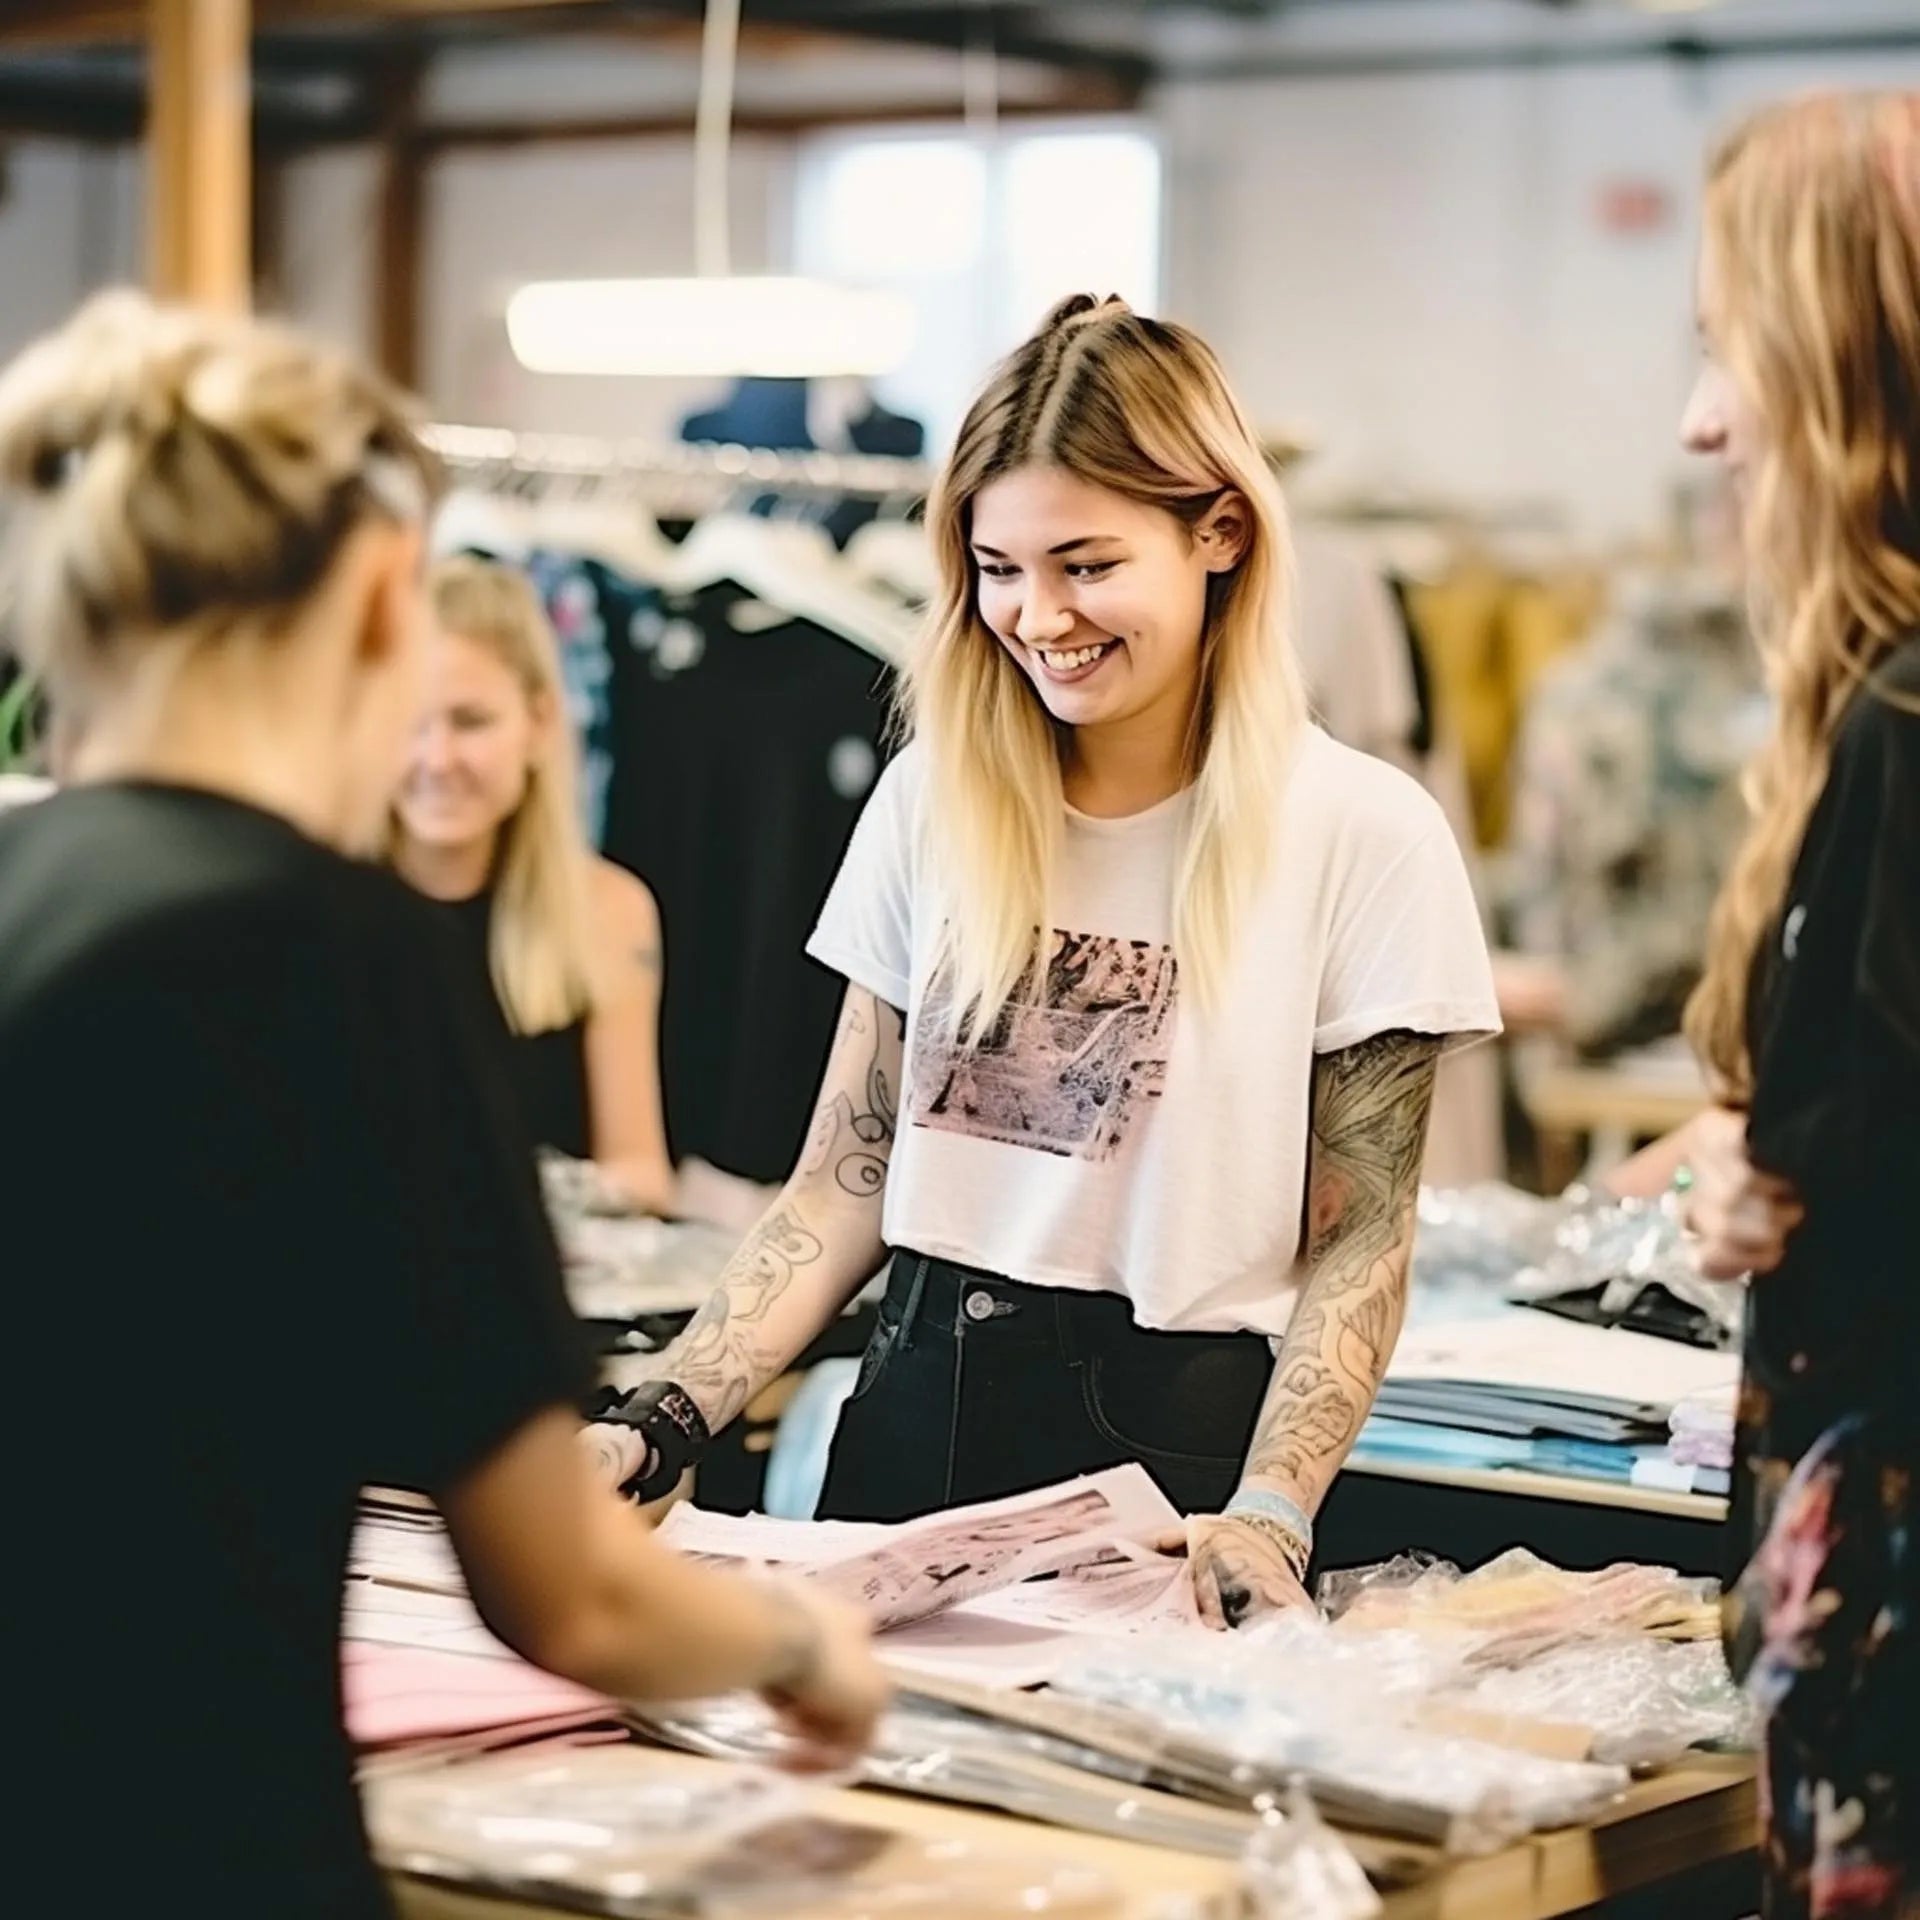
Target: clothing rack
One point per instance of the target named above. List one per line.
(495, 457)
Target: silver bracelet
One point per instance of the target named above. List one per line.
(1258, 1503)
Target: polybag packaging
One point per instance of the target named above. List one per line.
(1287, 1699)
(1297, 1868)
(1645, 1701)
(1623, 1246)
(735, 1845)
(1517, 1606)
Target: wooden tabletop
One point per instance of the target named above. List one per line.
(1687, 1817)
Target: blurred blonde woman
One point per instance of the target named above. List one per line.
(1147, 979)
(262, 1143)
(486, 821)
(1807, 1172)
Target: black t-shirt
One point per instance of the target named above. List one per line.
(1835, 1035)
(271, 1232)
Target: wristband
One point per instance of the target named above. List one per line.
(1256, 1503)
(674, 1429)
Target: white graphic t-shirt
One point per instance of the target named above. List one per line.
(1111, 1135)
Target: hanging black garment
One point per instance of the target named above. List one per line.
(746, 744)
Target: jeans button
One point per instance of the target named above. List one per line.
(978, 1305)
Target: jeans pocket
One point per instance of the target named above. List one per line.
(1209, 1441)
(873, 1362)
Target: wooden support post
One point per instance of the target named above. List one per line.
(397, 263)
(199, 161)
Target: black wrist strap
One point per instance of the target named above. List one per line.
(675, 1431)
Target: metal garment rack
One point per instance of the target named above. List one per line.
(499, 458)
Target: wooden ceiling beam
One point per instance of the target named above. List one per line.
(46, 25)
(787, 123)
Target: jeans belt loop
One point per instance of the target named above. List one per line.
(916, 1292)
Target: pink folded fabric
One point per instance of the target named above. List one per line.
(402, 1696)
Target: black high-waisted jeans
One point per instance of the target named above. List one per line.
(974, 1387)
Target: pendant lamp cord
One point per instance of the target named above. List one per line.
(712, 135)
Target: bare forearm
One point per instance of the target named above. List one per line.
(659, 1627)
(1371, 1103)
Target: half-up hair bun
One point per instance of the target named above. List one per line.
(1078, 308)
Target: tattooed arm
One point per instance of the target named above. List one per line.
(1369, 1129)
(817, 1243)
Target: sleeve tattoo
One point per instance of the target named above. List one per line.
(725, 1353)
(1369, 1129)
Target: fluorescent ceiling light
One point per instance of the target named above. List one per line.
(1672, 6)
(718, 325)
(712, 328)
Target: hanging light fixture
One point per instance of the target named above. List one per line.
(716, 324)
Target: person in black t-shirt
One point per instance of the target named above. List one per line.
(1806, 1173)
(274, 1230)
(487, 821)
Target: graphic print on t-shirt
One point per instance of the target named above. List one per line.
(1069, 1074)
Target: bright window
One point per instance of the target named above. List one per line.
(981, 236)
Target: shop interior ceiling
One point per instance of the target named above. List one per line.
(331, 70)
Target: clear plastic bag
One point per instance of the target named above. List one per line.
(604, 1838)
(1297, 1868)
(1517, 1606)
(1644, 1701)
(1292, 1698)
(1623, 1246)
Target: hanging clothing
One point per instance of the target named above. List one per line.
(1627, 807)
(547, 1071)
(747, 743)
(252, 1099)
(1353, 646)
(1108, 1135)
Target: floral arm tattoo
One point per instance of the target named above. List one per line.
(1369, 1130)
(766, 1305)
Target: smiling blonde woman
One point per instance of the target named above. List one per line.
(1147, 979)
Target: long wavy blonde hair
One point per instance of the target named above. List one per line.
(1813, 221)
(541, 950)
(1141, 407)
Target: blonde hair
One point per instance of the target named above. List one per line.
(540, 947)
(1813, 218)
(181, 475)
(1142, 408)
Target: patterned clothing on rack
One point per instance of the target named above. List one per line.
(1627, 809)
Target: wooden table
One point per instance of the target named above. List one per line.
(1692, 1816)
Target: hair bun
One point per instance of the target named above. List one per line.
(116, 369)
(1078, 308)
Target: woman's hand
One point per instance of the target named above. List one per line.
(828, 1688)
(1238, 1570)
(1740, 1219)
(614, 1452)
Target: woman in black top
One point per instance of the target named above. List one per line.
(273, 1229)
(486, 820)
(1807, 1173)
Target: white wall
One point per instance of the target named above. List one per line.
(1413, 269)
(69, 223)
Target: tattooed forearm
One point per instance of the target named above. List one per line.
(851, 1140)
(812, 1250)
(723, 1356)
(1370, 1105)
